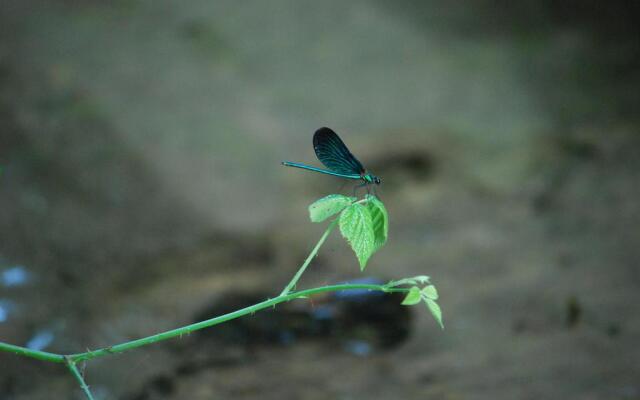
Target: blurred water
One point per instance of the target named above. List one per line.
(358, 347)
(7, 308)
(40, 340)
(14, 276)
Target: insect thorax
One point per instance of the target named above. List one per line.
(370, 178)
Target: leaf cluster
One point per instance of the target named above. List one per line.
(364, 223)
(428, 294)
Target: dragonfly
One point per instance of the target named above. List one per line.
(334, 154)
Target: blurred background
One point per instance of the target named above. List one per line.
(141, 190)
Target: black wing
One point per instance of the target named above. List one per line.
(333, 153)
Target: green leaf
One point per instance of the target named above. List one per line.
(422, 279)
(416, 280)
(380, 220)
(329, 206)
(356, 227)
(430, 292)
(413, 297)
(435, 311)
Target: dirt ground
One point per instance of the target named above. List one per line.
(141, 189)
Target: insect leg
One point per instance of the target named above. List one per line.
(355, 188)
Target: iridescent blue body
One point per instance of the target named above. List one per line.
(335, 155)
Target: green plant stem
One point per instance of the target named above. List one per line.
(76, 374)
(72, 359)
(38, 355)
(306, 263)
(119, 348)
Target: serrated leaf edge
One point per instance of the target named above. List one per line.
(435, 310)
(330, 198)
(363, 257)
